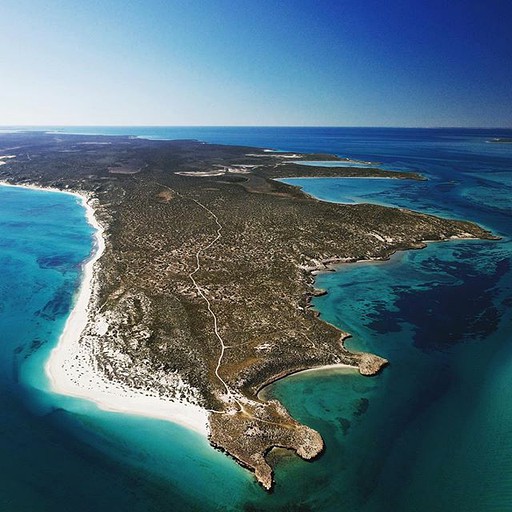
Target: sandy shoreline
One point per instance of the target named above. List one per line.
(336, 367)
(71, 369)
(327, 367)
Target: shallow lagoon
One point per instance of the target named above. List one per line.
(424, 433)
(353, 190)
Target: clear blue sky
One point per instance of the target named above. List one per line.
(256, 62)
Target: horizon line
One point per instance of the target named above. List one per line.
(14, 126)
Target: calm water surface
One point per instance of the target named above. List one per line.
(432, 432)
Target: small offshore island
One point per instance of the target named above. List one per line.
(502, 140)
(199, 293)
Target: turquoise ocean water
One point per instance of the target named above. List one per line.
(433, 432)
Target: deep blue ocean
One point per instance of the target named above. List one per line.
(432, 432)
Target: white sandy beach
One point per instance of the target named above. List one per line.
(71, 369)
(329, 367)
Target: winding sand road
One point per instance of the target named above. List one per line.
(229, 392)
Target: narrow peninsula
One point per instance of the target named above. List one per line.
(201, 296)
